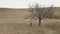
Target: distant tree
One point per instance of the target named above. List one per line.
(40, 12)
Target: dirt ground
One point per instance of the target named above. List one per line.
(14, 22)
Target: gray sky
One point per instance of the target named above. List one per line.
(24, 3)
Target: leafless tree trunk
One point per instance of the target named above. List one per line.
(31, 24)
(40, 21)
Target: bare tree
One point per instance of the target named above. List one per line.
(40, 12)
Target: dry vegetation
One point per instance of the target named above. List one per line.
(13, 22)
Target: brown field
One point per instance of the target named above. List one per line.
(12, 21)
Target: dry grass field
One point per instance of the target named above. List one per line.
(12, 21)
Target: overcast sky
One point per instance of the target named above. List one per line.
(24, 3)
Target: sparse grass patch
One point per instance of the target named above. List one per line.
(23, 28)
